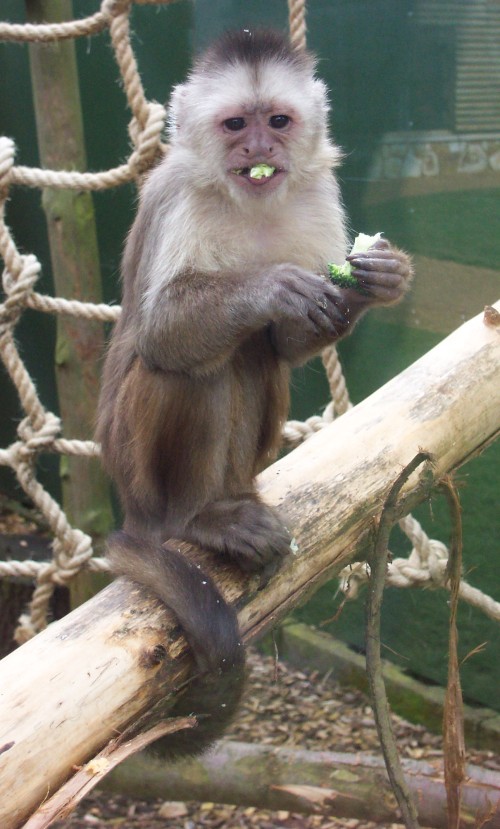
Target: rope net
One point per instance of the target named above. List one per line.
(40, 431)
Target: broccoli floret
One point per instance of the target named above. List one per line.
(342, 275)
(262, 171)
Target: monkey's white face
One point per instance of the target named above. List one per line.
(227, 122)
(257, 136)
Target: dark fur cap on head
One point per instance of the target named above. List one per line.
(242, 69)
(253, 46)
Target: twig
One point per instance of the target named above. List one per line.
(62, 803)
(453, 735)
(378, 567)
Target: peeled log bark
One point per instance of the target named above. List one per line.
(72, 688)
(331, 783)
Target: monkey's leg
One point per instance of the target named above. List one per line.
(243, 529)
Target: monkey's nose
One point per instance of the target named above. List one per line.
(258, 153)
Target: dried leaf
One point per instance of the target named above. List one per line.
(171, 809)
(97, 766)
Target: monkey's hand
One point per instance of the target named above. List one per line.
(312, 312)
(244, 530)
(383, 275)
(307, 314)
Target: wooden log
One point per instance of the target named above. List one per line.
(324, 782)
(68, 691)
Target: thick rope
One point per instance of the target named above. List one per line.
(426, 566)
(49, 32)
(297, 23)
(40, 430)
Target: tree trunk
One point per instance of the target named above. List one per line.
(73, 687)
(76, 271)
(339, 785)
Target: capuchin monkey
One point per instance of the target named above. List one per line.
(224, 290)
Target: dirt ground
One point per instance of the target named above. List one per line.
(282, 707)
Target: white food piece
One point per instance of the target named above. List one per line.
(363, 242)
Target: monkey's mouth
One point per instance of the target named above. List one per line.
(259, 174)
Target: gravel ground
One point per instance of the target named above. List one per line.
(283, 708)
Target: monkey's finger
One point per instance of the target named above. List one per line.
(260, 545)
(265, 562)
(385, 261)
(387, 287)
(306, 288)
(370, 279)
(335, 312)
(267, 573)
(372, 253)
(322, 325)
(327, 317)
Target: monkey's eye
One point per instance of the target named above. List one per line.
(278, 122)
(235, 124)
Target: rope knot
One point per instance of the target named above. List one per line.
(7, 155)
(147, 139)
(71, 553)
(18, 280)
(37, 438)
(437, 562)
(112, 8)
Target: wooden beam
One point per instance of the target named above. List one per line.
(68, 691)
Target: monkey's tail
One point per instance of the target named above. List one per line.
(211, 629)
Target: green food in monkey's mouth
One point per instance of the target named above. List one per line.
(257, 172)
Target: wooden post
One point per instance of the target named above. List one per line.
(76, 271)
(68, 691)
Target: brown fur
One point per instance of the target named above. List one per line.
(222, 294)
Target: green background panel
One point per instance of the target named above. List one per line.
(392, 67)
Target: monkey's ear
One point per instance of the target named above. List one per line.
(176, 108)
(320, 96)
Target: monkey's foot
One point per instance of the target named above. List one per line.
(245, 530)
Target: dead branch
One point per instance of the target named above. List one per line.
(65, 800)
(453, 716)
(328, 783)
(378, 559)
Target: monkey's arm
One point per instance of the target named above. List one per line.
(195, 321)
(198, 320)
